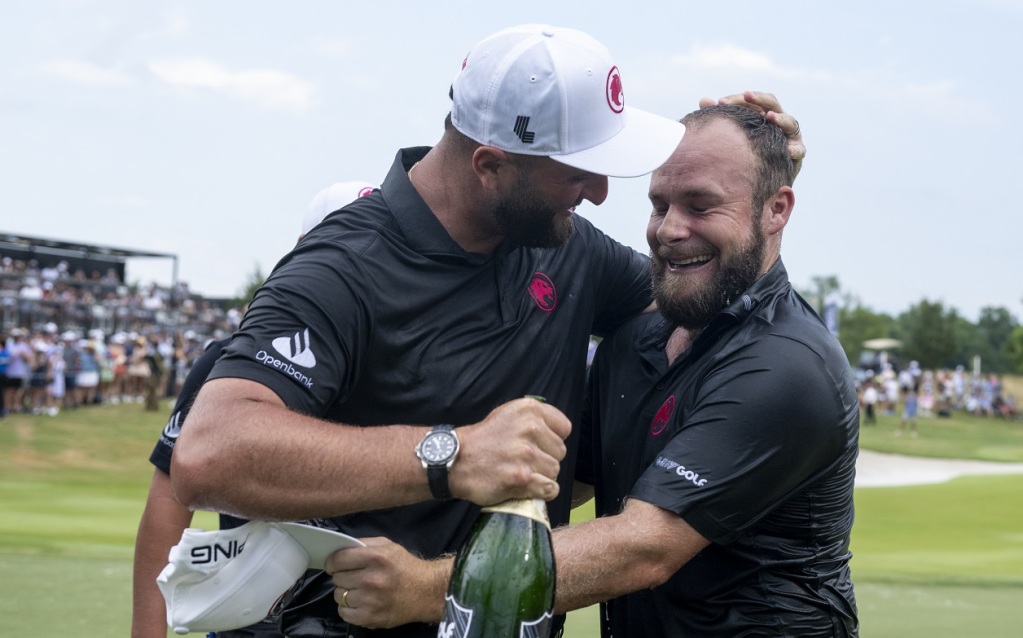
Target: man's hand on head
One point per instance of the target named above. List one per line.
(769, 105)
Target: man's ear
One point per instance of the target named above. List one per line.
(778, 208)
(492, 166)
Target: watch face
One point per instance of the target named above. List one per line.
(438, 447)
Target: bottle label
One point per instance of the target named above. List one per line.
(534, 508)
(539, 628)
(457, 620)
(457, 623)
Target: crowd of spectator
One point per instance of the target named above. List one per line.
(70, 339)
(933, 392)
(45, 371)
(33, 295)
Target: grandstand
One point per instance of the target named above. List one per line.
(85, 288)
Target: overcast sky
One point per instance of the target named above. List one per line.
(203, 128)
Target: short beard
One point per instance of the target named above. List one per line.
(694, 309)
(526, 220)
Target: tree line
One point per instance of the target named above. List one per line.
(932, 334)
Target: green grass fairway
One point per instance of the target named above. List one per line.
(929, 560)
(933, 560)
(940, 560)
(957, 437)
(976, 538)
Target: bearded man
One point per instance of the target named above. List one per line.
(723, 431)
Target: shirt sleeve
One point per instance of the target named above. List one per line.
(301, 330)
(766, 420)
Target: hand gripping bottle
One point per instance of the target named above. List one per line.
(502, 585)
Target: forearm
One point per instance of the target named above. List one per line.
(241, 451)
(615, 555)
(588, 569)
(160, 528)
(259, 460)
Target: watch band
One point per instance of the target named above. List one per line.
(437, 475)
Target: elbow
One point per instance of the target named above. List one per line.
(656, 573)
(192, 470)
(186, 491)
(208, 468)
(187, 481)
(653, 565)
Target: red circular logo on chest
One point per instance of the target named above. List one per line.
(660, 422)
(541, 289)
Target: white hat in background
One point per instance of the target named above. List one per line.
(536, 89)
(227, 579)
(332, 198)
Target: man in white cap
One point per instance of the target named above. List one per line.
(164, 518)
(464, 284)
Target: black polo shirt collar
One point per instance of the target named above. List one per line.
(420, 226)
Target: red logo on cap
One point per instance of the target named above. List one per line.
(366, 190)
(542, 290)
(615, 94)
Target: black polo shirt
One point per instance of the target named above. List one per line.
(378, 317)
(751, 437)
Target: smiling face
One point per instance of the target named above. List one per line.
(707, 242)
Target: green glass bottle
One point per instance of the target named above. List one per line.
(502, 585)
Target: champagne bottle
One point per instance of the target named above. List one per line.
(502, 585)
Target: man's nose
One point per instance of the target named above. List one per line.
(674, 227)
(595, 189)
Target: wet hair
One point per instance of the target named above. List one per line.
(766, 140)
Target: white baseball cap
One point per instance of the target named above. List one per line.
(542, 90)
(228, 579)
(332, 198)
